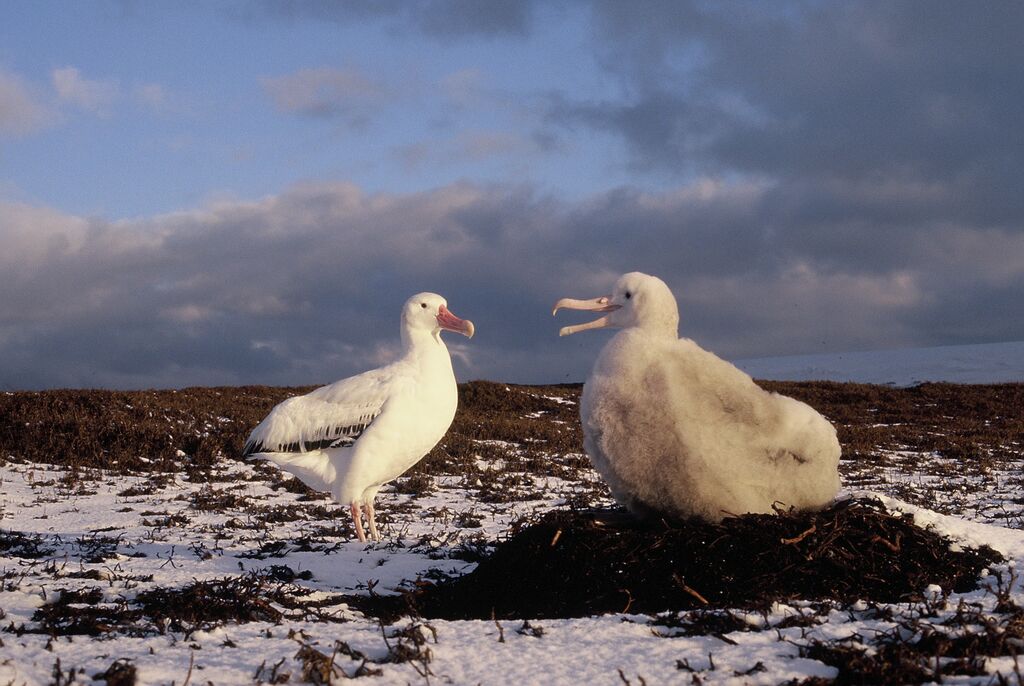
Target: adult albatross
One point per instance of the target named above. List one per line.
(676, 430)
(355, 435)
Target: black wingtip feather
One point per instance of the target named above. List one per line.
(339, 436)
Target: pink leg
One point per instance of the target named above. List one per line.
(357, 520)
(370, 518)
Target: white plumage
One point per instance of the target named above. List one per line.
(675, 429)
(355, 435)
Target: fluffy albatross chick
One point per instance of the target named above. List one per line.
(675, 429)
(355, 435)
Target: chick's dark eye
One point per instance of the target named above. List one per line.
(423, 305)
(628, 295)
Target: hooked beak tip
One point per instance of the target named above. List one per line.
(449, 322)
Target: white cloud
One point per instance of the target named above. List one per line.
(152, 95)
(93, 96)
(34, 236)
(21, 111)
(326, 92)
(188, 313)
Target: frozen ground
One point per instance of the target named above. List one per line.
(236, 578)
(983, 363)
(96, 534)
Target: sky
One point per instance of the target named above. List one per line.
(222, 193)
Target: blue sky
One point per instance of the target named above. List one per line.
(197, 100)
(246, 192)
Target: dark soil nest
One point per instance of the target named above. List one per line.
(581, 563)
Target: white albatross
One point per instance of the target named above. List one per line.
(355, 435)
(674, 429)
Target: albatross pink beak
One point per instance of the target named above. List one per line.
(602, 304)
(449, 322)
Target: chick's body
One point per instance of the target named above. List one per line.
(675, 429)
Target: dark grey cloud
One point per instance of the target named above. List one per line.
(441, 19)
(816, 89)
(305, 286)
(885, 136)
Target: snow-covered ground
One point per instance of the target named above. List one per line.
(978, 364)
(123, 536)
(82, 552)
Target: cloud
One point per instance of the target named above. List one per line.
(326, 92)
(465, 88)
(470, 145)
(847, 90)
(451, 18)
(151, 95)
(305, 286)
(93, 96)
(439, 19)
(21, 111)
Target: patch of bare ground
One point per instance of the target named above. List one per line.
(142, 431)
(252, 597)
(977, 426)
(191, 429)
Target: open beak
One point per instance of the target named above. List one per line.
(602, 304)
(449, 322)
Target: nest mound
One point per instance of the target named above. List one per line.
(576, 564)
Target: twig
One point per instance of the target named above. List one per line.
(797, 539)
(894, 547)
(501, 632)
(191, 661)
(629, 603)
(688, 589)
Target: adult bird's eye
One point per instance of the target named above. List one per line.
(423, 305)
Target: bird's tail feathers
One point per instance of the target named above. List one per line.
(312, 468)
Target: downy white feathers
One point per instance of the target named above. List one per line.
(675, 429)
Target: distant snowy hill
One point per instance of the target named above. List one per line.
(982, 364)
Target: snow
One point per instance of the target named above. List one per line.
(976, 364)
(163, 535)
(597, 650)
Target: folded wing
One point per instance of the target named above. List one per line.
(329, 417)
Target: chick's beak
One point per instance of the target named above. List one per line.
(449, 322)
(602, 304)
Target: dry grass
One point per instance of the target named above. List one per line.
(133, 430)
